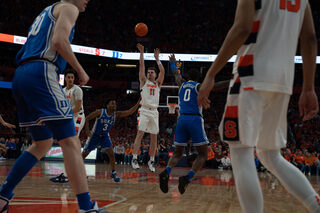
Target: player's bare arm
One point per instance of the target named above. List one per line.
(128, 112)
(235, 38)
(77, 106)
(308, 102)
(160, 66)
(142, 74)
(177, 76)
(66, 15)
(4, 123)
(91, 116)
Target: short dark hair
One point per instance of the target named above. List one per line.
(109, 100)
(152, 68)
(69, 71)
(193, 74)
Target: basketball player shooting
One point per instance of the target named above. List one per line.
(105, 119)
(148, 120)
(265, 34)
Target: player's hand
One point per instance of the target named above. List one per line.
(11, 126)
(140, 47)
(204, 92)
(83, 77)
(172, 57)
(156, 54)
(308, 105)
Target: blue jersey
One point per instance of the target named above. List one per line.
(188, 95)
(104, 123)
(39, 44)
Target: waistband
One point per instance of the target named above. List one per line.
(191, 114)
(35, 60)
(148, 108)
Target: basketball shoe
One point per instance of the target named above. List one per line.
(135, 164)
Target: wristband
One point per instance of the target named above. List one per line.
(173, 66)
(159, 63)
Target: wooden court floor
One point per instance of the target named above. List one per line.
(138, 192)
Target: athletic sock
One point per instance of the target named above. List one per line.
(152, 159)
(168, 168)
(190, 175)
(20, 169)
(84, 201)
(134, 156)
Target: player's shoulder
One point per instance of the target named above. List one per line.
(66, 6)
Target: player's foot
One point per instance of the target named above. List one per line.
(60, 179)
(183, 183)
(95, 209)
(4, 204)
(151, 166)
(135, 164)
(164, 179)
(115, 177)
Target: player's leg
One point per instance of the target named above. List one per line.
(181, 139)
(246, 178)
(64, 132)
(289, 176)
(41, 145)
(268, 150)
(106, 144)
(79, 122)
(153, 148)
(240, 128)
(110, 154)
(136, 147)
(85, 153)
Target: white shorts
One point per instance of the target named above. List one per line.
(79, 121)
(148, 120)
(255, 118)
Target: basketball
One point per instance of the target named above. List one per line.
(141, 29)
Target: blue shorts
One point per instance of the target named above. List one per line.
(95, 140)
(190, 127)
(40, 98)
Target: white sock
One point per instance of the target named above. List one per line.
(152, 159)
(291, 178)
(246, 178)
(134, 156)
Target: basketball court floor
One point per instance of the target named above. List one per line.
(138, 192)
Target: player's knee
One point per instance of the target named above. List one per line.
(70, 143)
(268, 158)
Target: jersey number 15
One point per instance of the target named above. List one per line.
(290, 5)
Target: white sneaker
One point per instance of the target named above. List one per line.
(151, 166)
(95, 209)
(135, 164)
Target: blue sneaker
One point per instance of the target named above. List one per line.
(115, 177)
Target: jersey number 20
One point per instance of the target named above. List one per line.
(290, 5)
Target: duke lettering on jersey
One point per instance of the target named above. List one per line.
(150, 95)
(274, 36)
(39, 45)
(188, 98)
(104, 123)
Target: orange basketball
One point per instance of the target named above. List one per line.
(141, 29)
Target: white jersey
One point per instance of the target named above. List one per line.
(150, 93)
(74, 94)
(266, 60)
